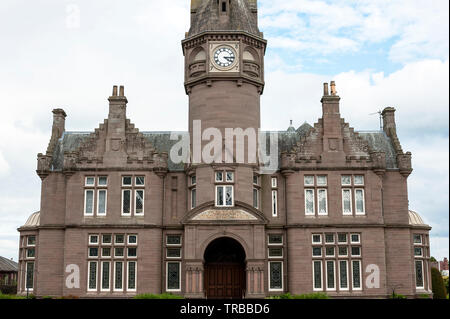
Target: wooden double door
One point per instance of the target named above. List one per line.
(224, 280)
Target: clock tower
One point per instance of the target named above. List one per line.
(224, 64)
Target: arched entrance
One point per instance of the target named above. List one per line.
(224, 269)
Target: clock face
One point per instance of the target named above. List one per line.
(224, 56)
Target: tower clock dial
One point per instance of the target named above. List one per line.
(224, 57)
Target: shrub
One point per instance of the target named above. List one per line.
(8, 289)
(424, 296)
(158, 296)
(437, 282)
(2, 296)
(397, 296)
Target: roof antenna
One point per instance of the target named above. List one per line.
(381, 118)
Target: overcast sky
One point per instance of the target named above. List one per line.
(69, 54)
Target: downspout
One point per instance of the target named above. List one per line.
(162, 234)
(286, 232)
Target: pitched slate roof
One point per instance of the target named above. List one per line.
(8, 265)
(377, 140)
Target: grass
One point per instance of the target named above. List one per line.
(2, 296)
(317, 295)
(158, 296)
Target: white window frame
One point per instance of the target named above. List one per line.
(135, 202)
(31, 245)
(89, 275)
(110, 252)
(354, 180)
(346, 271)
(86, 183)
(275, 244)
(98, 181)
(121, 202)
(174, 247)
(321, 275)
(325, 239)
(119, 244)
(26, 253)
(421, 239)
(334, 251)
(421, 251)
(326, 202)
(415, 274)
(275, 257)
(128, 255)
(350, 213)
(342, 242)
(274, 203)
(363, 202)
(319, 184)
(128, 239)
(135, 181)
(109, 279)
(90, 241)
(355, 242)
(89, 253)
(26, 276)
(85, 201)
(326, 276)
(219, 180)
(192, 191)
(98, 202)
(342, 183)
(360, 275)
(312, 239)
(119, 257)
(321, 251)
(338, 252)
(226, 177)
(193, 180)
(225, 196)
(351, 251)
(314, 204)
(282, 276)
(127, 185)
(305, 183)
(112, 239)
(114, 274)
(257, 197)
(135, 275)
(274, 182)
(167, 276)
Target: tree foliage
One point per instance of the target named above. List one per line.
(437, 282)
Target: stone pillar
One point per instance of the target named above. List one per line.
(194, 279)
(255, 279)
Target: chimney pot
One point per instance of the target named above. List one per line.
(325, 89)
(114, 90)
(122, 91)
(333, 88)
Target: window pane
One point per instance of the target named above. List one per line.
(106, 239)
(417, 251)
(118, 252)
(173, 240)
(173, 276)
(31, 253)
(276, 252)
(140, 181)
(343, 274)
(342, 238)
(120, 239)
(343, 251)
(173, 252)
(220, 196)
(317, 239)
(101, 202)
(132, 239)
(126, 181)
(230, 176)
(346, 179)
(103, 181)
(219, 176)
(193, 198)
(131, 275)
(229, 196)
(255, 198)
(118, 277)
(30, 275)
(329, 251)
(356, 251)
(359, 198)
(322, 199)
(126, 202)
(359, 180)
(321, 180)
(317, 274)
(276, 278)
(139, 201)
(89, 202)
(93, 239)
(31, 240)
(417, 239)
(346, 201)
(274, 182)
(193, 180)
(275, 239)
(355, 238)
(105, 275)
(90, 181)
(255, 179)
(93, 252)
(330, 274)
(92, 275)
(356, 274)
(419, 273)
(106, 252)
(329, 238)
(309, 201)
(317, 251)
(274, 203)
(309, 180)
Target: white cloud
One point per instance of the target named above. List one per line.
(418, 28)
(439, 247)
(4, 166)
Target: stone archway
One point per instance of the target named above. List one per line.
(224, 269)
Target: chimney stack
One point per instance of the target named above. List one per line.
(389, 126)
(116, 120)
(59, 122)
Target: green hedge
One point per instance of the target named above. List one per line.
(160, 296)
(317, 295)
(437, 282)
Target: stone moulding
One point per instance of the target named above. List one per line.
(229, 214)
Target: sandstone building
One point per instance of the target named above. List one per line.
(119, 217)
